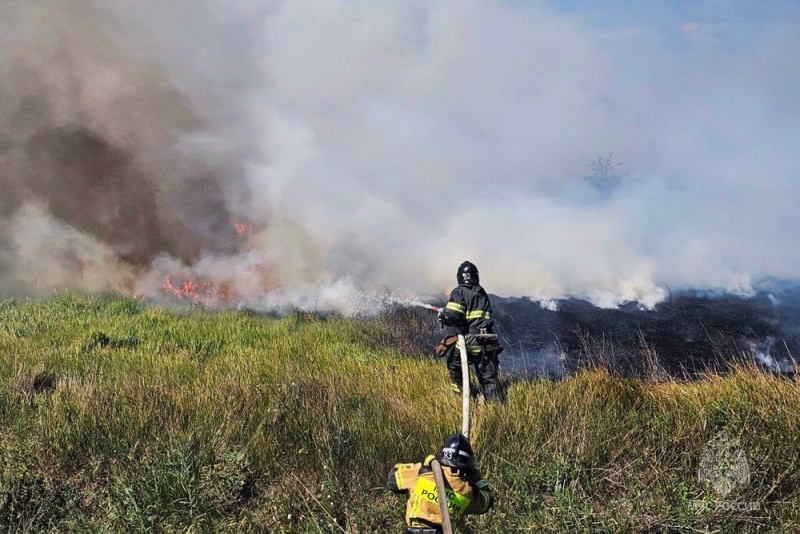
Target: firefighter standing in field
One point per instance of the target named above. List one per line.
(467, 492)
(469, 312)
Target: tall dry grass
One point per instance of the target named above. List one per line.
(119, 416)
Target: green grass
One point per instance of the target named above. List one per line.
(117, 416)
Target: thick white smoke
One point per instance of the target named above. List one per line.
(378, 144)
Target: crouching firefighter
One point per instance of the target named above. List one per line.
(467, 492)
(469, 312)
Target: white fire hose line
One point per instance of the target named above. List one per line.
(438, 476)
(462, 347)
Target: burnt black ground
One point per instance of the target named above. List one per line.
(689, 333)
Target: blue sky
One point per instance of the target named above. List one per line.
(672, 17)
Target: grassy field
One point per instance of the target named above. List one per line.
(118, 416)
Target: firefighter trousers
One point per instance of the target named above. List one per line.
(486, 365)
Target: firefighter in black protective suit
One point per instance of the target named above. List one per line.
(469, 312)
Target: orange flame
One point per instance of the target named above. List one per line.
(242, 229)
(198, 292)
(211, 291)
(201, 291)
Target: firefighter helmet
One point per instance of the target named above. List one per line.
(467, 274)
(456, 452)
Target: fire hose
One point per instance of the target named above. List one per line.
(438, 476)
(441, 491)
(462, 347)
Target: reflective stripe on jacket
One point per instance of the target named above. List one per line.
(469, 310)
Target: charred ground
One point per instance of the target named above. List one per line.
(690, 333)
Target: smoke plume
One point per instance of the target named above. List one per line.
(305, 153)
